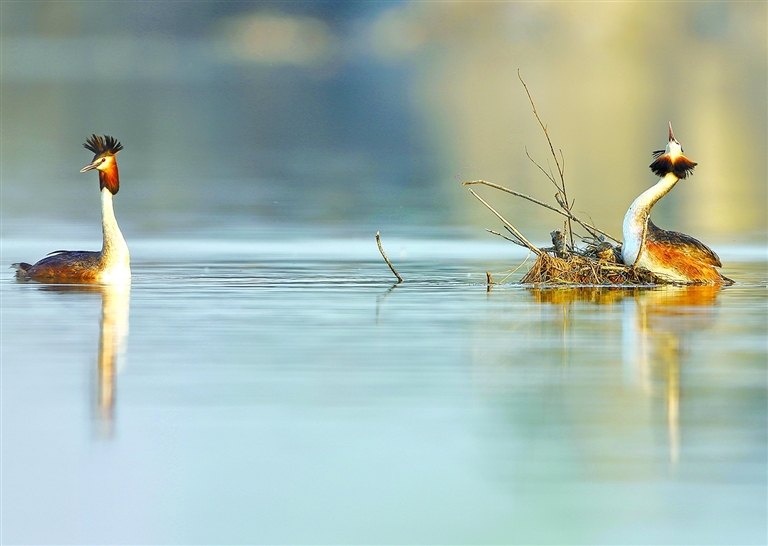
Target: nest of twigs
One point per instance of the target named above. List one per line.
(586, 270)
(574, 259)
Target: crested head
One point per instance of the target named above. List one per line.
(102, 145)
(671, 159)
(105, 148)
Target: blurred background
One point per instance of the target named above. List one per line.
(369, 115)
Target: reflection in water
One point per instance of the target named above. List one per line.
(113, 338)
(564, 348)
(655, 324)
(567, 296)
(455, 406)
(380, 299)
(599, 295)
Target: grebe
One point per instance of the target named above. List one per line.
(673, 256)
(111, 265)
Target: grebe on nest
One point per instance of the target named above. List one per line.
(673, 256)
(111, 265)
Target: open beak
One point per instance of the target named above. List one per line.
(88, 167)
(671, 134)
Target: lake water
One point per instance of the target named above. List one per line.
(285, 390)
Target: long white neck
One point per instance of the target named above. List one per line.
(115, 259)
(637, 216)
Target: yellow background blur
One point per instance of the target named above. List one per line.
(355, 111)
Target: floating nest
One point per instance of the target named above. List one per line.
(600, 268)
(595, 262)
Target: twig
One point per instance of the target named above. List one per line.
(560, 168)
(492, 232)
(515, 270)
(548, 174)
(384, 255)
(509, 272)
(513, 192)
(519, 235)
(567, 214)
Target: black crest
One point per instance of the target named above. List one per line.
(102, 145)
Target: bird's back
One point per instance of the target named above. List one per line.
(679, 257)
(690, 246)
(62, 266)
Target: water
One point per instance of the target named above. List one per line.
(287, 391)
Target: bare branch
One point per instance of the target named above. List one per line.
(560, 169)
(541, 123)
(510, 239)
(519, 235)
(513, 192)
(589, 227)
(547, 174)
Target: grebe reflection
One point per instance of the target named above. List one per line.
(113, 340)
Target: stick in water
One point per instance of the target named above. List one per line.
(384, 255)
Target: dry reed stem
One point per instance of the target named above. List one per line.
(384, 255)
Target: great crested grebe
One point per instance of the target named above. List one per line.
(111, 265)
(673, 256)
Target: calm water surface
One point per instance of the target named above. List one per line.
(288, 392)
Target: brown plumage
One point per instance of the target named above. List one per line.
(63, 266)
(680, 255)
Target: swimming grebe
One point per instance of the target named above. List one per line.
(111, 265)
(673, 256)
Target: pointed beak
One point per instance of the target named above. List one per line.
(671, 134)
(88, 167)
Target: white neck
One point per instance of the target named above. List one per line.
(637, 216)
(115, 258)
